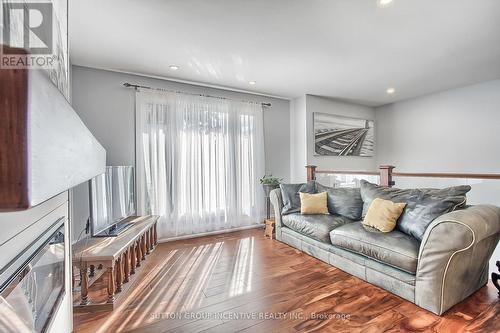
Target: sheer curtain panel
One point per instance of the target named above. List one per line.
(198, 160)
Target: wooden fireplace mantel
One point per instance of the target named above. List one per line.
(45, 148)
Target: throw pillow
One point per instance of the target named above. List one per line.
(346, 202)
(371, 191)
(423, 205)
(383, 214)
(290, 195)
(422, 208)
(313, 203)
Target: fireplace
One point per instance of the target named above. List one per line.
(32, 284)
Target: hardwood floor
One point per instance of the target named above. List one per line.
(232, 282)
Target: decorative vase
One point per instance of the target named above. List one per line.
(267, 191)
(268, 188)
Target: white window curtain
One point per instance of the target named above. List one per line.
(198, 160)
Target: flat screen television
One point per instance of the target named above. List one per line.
(112, 201)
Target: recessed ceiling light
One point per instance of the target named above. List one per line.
(173, 67)
(390, 91)
(384, 3)
(252, 82)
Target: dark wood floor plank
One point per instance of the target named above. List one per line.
(242, 281)
(487, 321)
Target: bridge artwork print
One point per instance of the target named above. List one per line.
(343, 136)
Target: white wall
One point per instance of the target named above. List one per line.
(298, 140)
(452, 131)
(326, 105)
(107, 109)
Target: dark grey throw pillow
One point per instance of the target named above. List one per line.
(291, 197)
(343, 201)
(423, 205)
(422, 208)
(460, 190)
(370, 191)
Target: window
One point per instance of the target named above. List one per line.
(199, 160)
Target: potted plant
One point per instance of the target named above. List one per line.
(269, 183)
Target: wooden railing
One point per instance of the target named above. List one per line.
(386, 173)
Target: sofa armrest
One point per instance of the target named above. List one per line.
(454, 256)
(277, 202)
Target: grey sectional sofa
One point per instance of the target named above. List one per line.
(447, 265)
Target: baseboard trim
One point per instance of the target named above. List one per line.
(211, 233)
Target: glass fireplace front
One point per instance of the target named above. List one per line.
(32, 285)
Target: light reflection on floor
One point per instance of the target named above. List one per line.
(242, 274)
(197, 272)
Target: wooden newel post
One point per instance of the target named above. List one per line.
(386, 175)
(311, 172)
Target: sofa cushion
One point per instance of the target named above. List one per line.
(343, 201)
(315, 226)
(395, 248)
(290, 195)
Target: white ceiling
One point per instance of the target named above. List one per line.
(348, 49)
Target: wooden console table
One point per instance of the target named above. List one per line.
(118, 257)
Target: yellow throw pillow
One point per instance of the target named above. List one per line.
(313, 203)
(383, 214)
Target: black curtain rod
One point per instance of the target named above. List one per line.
(136, 86)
